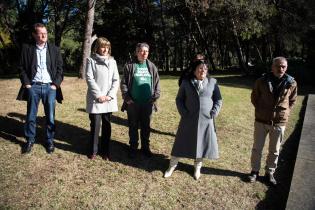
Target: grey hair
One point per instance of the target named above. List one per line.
(280, 58)
(140, 45)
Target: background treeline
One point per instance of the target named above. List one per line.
(235, 35)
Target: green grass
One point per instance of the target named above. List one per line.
(68, 180)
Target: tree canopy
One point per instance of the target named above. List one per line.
(236, 34)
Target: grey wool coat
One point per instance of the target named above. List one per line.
(102, 78)
(196, 136)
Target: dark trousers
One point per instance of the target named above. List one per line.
(96, 120)
(139, 114)
(36, 93)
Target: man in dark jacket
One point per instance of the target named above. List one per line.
(41, 73)
(273, 97)
(140, 87)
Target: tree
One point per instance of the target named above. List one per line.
(87, 36)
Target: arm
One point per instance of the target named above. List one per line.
(293, 96)
(90, 80)
(255, 94)
(217, 102)
(157, 90)
(25, 80)
(180, 100)
(59, 69)
(112, 93)
(124, 84)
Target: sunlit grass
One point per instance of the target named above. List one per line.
(68, 180)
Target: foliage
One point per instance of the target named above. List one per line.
(228, 32)
(71, 51)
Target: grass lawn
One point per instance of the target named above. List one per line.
(67, 179)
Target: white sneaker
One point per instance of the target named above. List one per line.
(197, 170)
(197, 174)
(169, 171)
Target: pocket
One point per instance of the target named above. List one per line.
(51, 88)
(208, 116)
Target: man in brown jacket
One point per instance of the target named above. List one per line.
(273, 97)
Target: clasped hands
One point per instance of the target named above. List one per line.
(103, 99)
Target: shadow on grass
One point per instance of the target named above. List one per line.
(75, 139)
(238, 81)
(124, 122)
(189, 169)
(276, 197)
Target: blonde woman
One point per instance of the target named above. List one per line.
(101, 99)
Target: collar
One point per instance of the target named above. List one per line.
(41, 48)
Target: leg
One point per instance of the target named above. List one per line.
(133, 119)
(260, 134)
(106, 134)
(275, 139)
(34, 95)
(198, 165)
(95, 125)
(49, 102)
(173, 163)
(145, 120)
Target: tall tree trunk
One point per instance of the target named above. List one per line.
(59, 24)
(165, 43)
(87, 36)
(239, 50)
(205, 43)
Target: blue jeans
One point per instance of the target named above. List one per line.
(36, 93)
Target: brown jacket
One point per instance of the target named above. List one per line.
(269, 109)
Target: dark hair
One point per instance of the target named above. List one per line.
(189, 72)
(196, 64)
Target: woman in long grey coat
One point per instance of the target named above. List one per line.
(198, 102)
(101, 99)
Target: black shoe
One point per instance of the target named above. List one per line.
(270, 179)
(253, 176)
(106, 156)
(132, 153)
(147, 152)
(50, 148)
(92, 156)
(27, 147)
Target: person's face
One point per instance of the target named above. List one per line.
(103, 51)
(279, 68)
(143, 54)
(201, 72)
(40, 36)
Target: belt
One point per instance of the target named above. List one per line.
(269, 122)
(40, 83)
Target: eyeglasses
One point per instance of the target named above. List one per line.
(144, 51)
